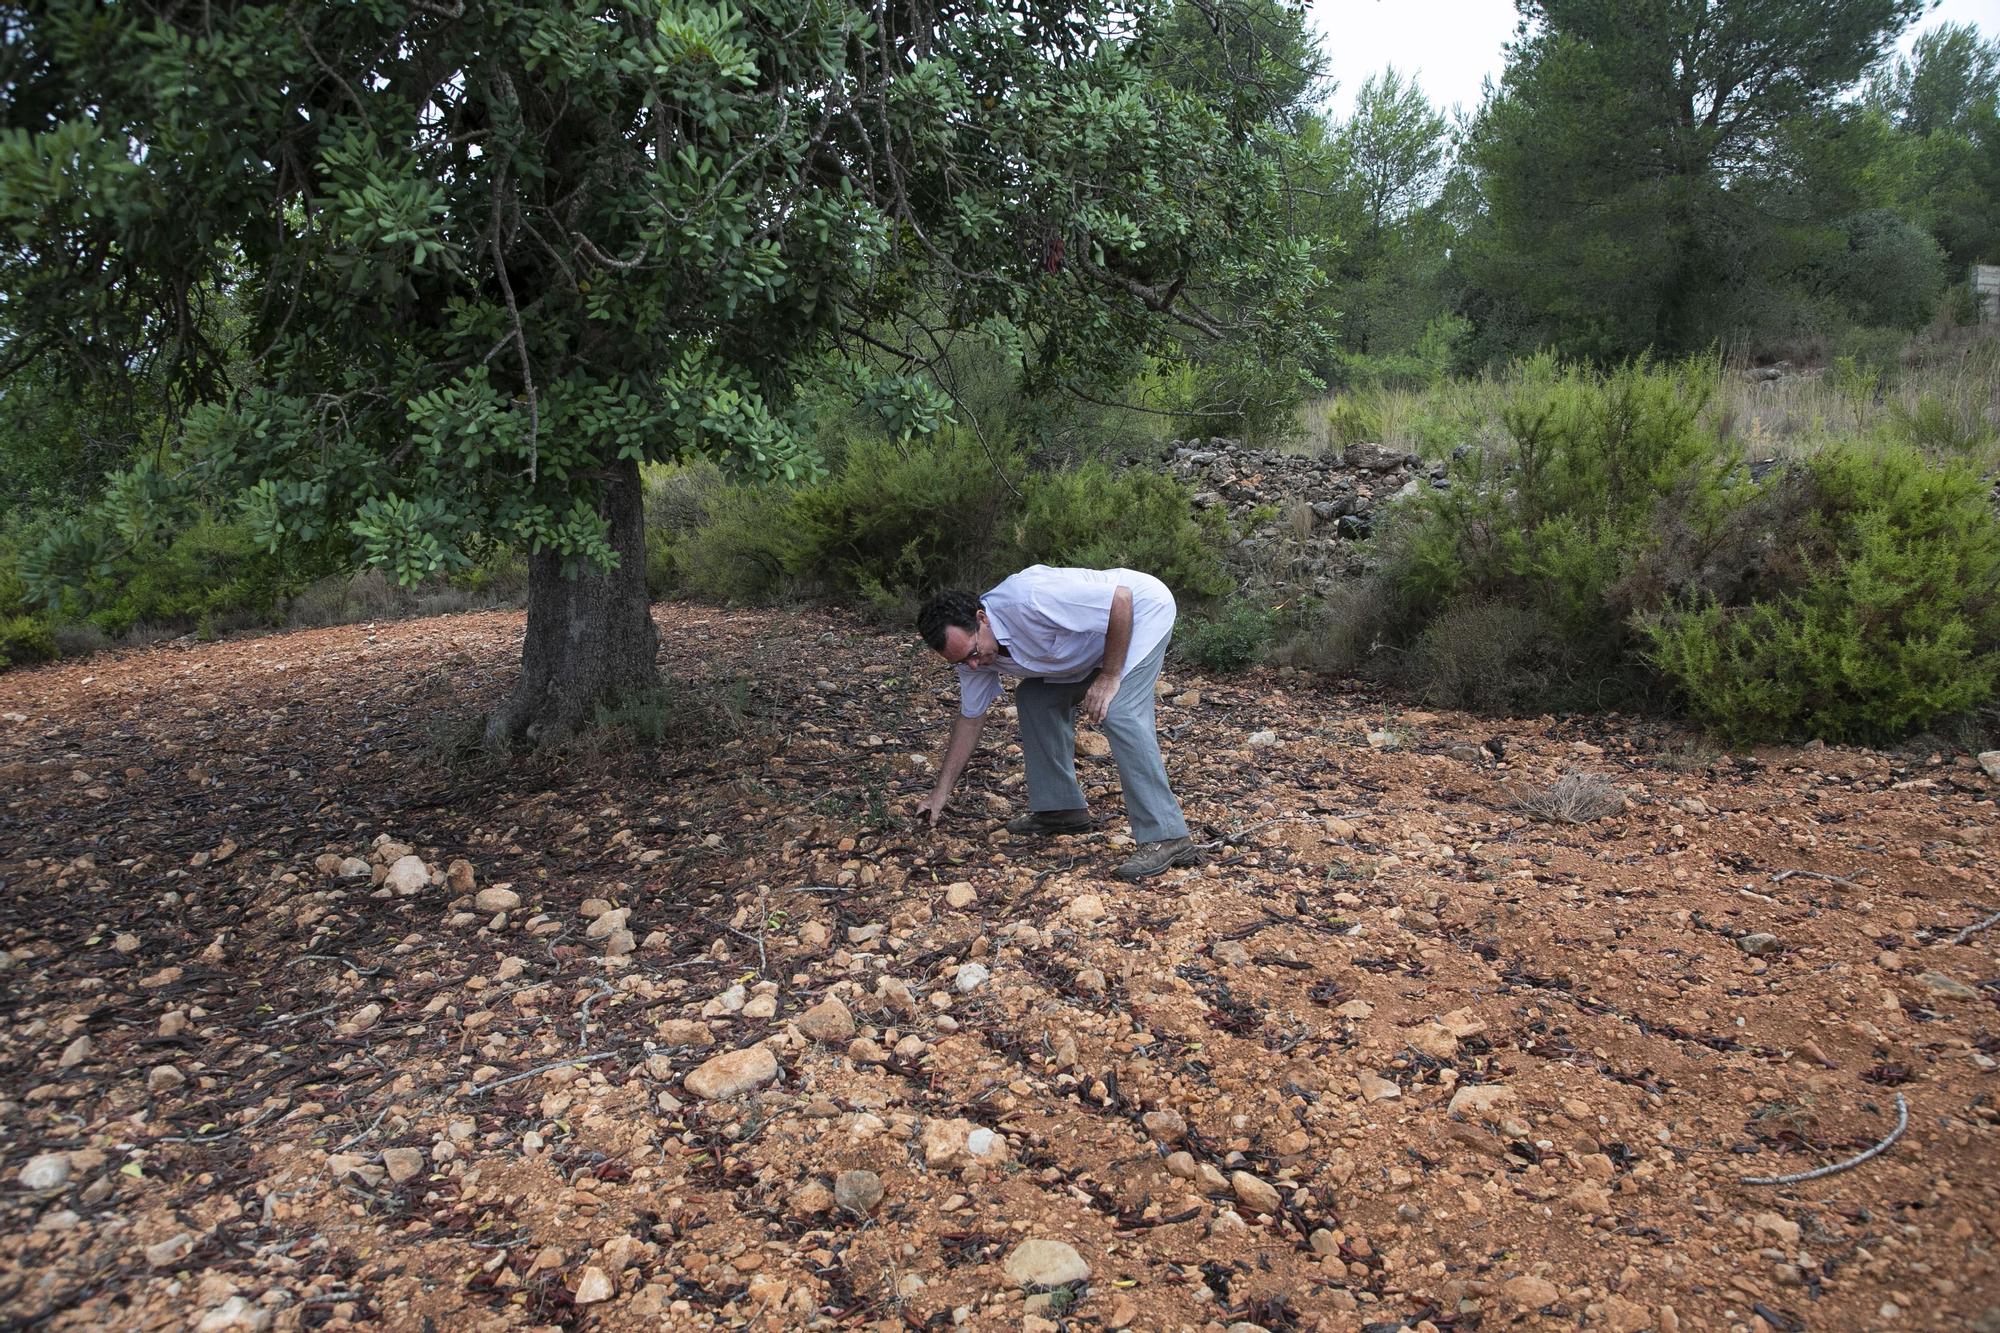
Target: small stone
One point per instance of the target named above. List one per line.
(828, 1021)
(407, 877)
(403, 1164)
(621, 1252)
(733, 1073)
(760, 1006)
(362, 1019)
(684, 1032)
(46, 1171)
(595, 1286)
(77, 1052)
(607, 922)
(164, 1078)
(1355, 1009)
(1482, 1099)
(970, 977)
(1760, 944)
(1230, 953)
(1989, 760)
(1529, 1293)
(1045, 1263)
(353, 867)
(1623, 1316)
(949, 1144)
(858, 1191)
(167, 1253)
(960, 895)
(1262, 740)
(1182, 1166)
(1255, 1193)
(1463, 1024)
(810, 1199)
(1086, 907)
(495, 899)
(1166, 1126)
(1434, 1040)
(1946, 988)
(1092, 745)
(1375, 1088)
(1188, 699)
(235, 1315)
(1777, 1225)
(126, 942)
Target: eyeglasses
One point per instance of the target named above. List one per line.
(969, 658)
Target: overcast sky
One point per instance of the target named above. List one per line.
(1452, 45)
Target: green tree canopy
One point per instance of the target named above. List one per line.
(1621, 156)
(494, 256)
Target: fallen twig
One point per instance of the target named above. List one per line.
(540, 1069)
(1975, 928)
(212, 1138)
(300, 1018)
(363, 1134)
(583, 1028)
(334, 958)
(1781, 876)
(1236, 838)
(1902, 1123)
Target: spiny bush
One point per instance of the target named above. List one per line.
(1891, 622)
(1491, 657)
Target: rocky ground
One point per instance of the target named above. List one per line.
(1296, 522)
(307, 1027)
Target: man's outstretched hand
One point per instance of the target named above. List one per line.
(930, 810)
(1097, 699)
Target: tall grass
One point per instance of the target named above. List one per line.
(1939, 393)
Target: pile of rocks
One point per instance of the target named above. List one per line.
(1295, 520)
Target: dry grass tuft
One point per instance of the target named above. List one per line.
(1573, 798)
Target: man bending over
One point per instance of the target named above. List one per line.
(1080, 639)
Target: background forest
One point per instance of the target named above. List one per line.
(1682, 309)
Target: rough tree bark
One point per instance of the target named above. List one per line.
(590, 635)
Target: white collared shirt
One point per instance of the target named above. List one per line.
(1051, 624)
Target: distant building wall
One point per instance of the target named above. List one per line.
(1986, 291)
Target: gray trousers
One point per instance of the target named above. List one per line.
(1048, 739)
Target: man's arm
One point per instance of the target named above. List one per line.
(1117, 640)
(964, 740)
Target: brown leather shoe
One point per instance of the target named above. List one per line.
(1153, 857)
(1046, 823)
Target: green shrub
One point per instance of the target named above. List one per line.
(903, 517)
(745, 550)
(1131, 519)
(1594, 468)
(211, 575)
(1236, 639)
(25, 640)
(1893, 622)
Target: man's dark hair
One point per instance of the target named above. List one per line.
(950, 607)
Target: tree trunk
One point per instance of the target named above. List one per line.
(590, 637)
